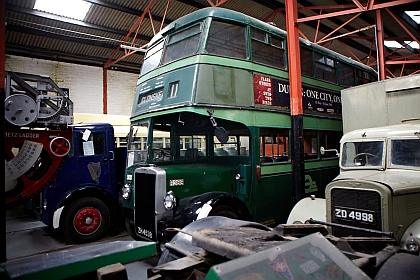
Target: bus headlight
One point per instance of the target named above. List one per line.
(169, 201)
(126, 192)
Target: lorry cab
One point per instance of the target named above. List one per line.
(379, 184)
(82, 197)
(378, 187)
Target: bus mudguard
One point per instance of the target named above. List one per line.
(210, 204)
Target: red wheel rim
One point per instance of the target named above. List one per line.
(60, 146)
(87, 220)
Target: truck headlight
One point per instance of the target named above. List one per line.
(169, 200)
(126, 192)
(412, 245)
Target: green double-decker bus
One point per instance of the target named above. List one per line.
(211, 126)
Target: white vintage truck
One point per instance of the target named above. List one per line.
(378, 187)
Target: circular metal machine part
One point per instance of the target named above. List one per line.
(20, 109)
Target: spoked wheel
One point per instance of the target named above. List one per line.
(85, 220)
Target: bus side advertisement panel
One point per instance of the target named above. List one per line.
(275, 92)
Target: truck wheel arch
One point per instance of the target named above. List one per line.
(307, 208)
(413, 231)
(87, 191)
(86, 219)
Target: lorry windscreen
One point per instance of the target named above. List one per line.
(366, 154)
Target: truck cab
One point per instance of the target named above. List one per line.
(379, 183)
(378, 187)
(82, 197)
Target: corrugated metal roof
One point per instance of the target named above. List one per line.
(92, 41)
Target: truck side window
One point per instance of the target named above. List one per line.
(405, 152)
(95, 144)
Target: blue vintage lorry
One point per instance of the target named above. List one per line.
(68, 174)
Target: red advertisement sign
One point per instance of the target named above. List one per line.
(263, 90)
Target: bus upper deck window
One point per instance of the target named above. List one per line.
(306, 61)
(267, 49)
(363, 77)
(182, 44)
(152, 58)
(345, 74)
(325, 68)
(227, 40)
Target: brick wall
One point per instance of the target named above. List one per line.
(83, 82)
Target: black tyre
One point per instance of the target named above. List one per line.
(400, 266)
(85, 220)
(225, 211)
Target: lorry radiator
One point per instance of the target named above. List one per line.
(355, 207)
(144, 219)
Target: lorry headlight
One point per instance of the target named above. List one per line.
(169, 201)
(126, 192)
(411, 245)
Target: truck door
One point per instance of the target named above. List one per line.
(95, 157)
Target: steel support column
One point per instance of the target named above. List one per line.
(105, 90)
(296, 106)
(3, 96)
(380, 45)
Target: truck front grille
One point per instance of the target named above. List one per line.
(355, 207)
(144, 211)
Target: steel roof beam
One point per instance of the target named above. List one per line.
(70, 21)
(42, 33)
(323, 28)
(355, 10)
(42, 53)
(124, 9)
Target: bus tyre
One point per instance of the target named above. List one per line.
(225, 211)
(85, 220)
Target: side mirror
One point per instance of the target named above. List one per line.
(220, 133)
(322, 150)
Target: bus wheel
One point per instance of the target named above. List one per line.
(85, 220)
(225, 211)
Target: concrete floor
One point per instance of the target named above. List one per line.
(26, 236)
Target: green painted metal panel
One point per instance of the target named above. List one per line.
(200, 178)
(224, 85)
(72, 262)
